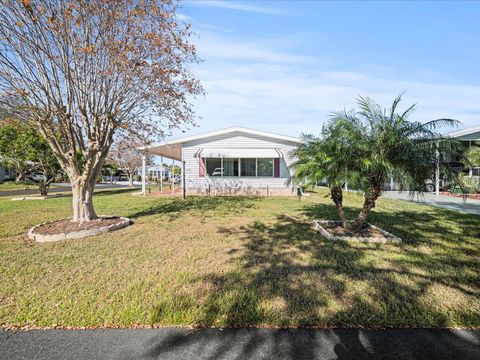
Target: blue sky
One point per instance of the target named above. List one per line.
(284, 66)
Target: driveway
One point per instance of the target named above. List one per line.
(173, 343)
(470, 206)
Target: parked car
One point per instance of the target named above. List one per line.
(217, 172)
(455, 169)
(430, 185)
(35, 177)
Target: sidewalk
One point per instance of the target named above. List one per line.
(471, 206)
(174, 343)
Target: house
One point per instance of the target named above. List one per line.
(154, 171)
(6, 174)
(468, 137)
(232, 161)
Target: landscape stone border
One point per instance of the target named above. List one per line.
(387, 238)
(36, 197)
(123, 222)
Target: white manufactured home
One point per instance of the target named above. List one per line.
(231, 161)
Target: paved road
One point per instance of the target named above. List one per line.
(59, 188)
(470, 206)
(240, 344)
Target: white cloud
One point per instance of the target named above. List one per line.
(183, 17)
(215, 48)
(264, 85)
(234, 5)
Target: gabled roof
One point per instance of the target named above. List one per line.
(172, 148)
(466, 134)
(232, 130)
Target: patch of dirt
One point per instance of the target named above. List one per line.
(68, 226)
(338, 230)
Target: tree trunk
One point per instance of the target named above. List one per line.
(371, 195)
(43, 187)
(82, 202)
(337, 197)
(130, 180)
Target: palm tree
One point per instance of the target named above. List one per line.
(329, 158)
(473, 156)
(392, 145)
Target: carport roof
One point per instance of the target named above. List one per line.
(469, 134)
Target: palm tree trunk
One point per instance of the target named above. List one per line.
(371, 195)
(337, 196)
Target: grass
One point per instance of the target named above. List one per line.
(218, 261)
(12, 185)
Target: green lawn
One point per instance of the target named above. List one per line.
(12, 185)
(239, 262)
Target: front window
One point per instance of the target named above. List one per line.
(264, 167)
(214, 166)
(234, 167)
(248, 167)
(230, 167)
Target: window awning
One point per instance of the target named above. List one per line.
(239, 153)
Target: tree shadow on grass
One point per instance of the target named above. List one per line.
(440, 242)
(202, 205)
(286, 274)
(113, 191)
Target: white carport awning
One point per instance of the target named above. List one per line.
(240, 152)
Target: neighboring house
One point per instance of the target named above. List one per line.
(6, 174)
(154, 171)
(233, 160)
(468, 137)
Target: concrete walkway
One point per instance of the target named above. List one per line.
(471, 206)
(171, 343)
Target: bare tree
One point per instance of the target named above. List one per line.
(87, 68)
(125, 156)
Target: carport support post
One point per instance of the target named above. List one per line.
(470, 169)
(172, 177)
(437, 171)
(161, 174)
(144, 172)
(183, 179)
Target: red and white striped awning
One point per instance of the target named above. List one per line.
(239, 153)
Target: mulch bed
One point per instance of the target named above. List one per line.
(338, 230)
(67, 226)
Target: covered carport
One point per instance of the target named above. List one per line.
(169, 150)
(468, 137)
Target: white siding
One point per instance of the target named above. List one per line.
(236, 140)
